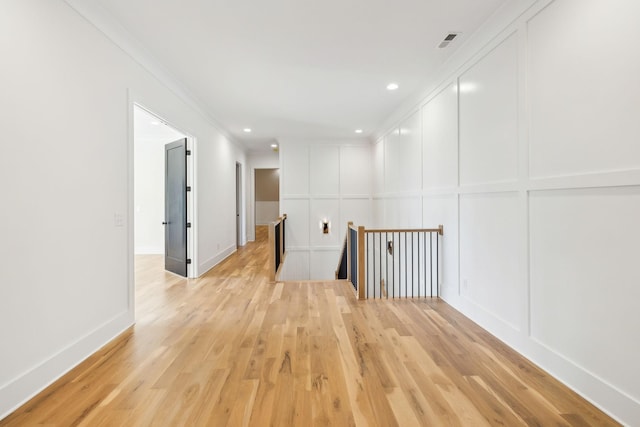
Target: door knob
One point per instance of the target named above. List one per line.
(164, 223)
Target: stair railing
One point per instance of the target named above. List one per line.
(394, 263)
(341, 271)
(277, 246)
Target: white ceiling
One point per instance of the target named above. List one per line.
(299, 68)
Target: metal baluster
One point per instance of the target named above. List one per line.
(386, 271)
(366, 284)
(425, 263)
(379, 262)
(412, 265)
(418, 267)
(431, 260)
(373, 266)
(438, 264)
(393, 265)
(380, 254)
(406, 291)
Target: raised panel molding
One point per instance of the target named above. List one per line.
(378, 167)
(440, 140)
(410, 155)
(297, 224)
(354, 178)
(355, 196)
(324, 169)
(294, 197)
(583, 253)
(338, 191)
(490, 261)
(488, 117)
(333, 196)
(294, 161)
(582, 88)
(588, 180)
(356, 210)
(501, 187)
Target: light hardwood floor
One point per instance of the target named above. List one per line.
(233, 349)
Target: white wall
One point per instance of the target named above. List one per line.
(530, 159)
(335, 186)
(149, 197)
(216, 204)
(66, 114)
(267, 212)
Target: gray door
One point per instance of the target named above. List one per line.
(175, 207)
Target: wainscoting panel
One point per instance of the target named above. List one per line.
(583, 92)
(584, 257)
(489, 117)
(440, 140)
(490, 245)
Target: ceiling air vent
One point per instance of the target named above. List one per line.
(448, 39)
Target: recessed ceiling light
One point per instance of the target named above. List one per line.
(274, 145)
(247, 130)
(392, 86)
(358, 130)
(155, 123)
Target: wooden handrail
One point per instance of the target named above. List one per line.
(439, 230)
(359, 275)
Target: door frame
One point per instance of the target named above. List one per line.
(253, 193)
(192, 196)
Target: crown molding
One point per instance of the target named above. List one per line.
(498, 23)
(104, 22)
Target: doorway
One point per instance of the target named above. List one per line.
(151, 134)
(267, 196)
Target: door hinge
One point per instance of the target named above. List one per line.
(188, 188)
(188, 225)
(188, 152)
(188, 260)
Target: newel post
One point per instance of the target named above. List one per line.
(361, 268)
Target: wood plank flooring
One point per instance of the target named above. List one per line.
(232, 349)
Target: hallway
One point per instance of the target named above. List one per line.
(230, 348)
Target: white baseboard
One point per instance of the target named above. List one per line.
(207, 265)
(20, 390)
(619, 405)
